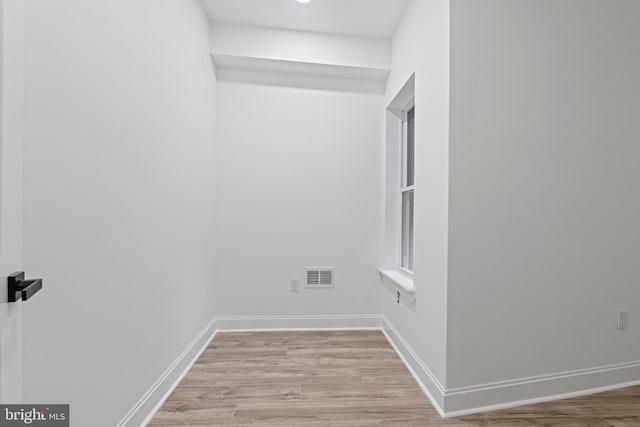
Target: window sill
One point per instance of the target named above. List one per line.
(400, 281)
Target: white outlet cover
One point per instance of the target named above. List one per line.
(623, 319)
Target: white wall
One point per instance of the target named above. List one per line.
(300, 184)
(421, 46)
(544, 211)
(300, 46)
(119, 198)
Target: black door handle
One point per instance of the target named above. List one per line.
(20, 289)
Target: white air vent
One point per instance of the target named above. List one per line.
(320, 277)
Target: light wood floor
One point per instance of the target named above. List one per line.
(344, 379)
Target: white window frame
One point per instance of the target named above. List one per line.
(392, 273)
(406, 188)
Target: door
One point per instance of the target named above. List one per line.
(11, 134)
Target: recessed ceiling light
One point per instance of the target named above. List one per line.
(303, 1)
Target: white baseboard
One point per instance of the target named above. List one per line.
(545, 388)
(143, 411)
(448, 402)
(272, 323)
(525, 391)
(425, 379)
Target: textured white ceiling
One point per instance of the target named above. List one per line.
(368, 18)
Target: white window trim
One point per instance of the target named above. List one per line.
(404, 270)
(404, 135)
(398, 279)
(401, 282)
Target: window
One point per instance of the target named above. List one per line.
(407, 186)
(397, 260)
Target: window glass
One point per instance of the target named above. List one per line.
(407, 230)
(410, 147)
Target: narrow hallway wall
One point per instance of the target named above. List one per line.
(119, 198)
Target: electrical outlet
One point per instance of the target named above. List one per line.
(295, 285)
(623, 319)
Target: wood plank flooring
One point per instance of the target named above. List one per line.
(344, 379)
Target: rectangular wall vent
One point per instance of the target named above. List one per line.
(320, 277)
